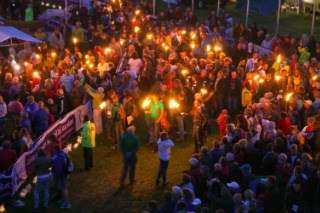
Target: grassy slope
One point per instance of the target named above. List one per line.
(289, 22)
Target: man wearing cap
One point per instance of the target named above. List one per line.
(129, 146)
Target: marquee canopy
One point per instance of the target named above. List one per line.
(7, 32)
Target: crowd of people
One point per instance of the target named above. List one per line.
(260, 92)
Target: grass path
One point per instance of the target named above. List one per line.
(96, 190)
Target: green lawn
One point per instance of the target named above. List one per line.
(97, 190)
(290, 23)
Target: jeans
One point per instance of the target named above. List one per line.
(129, 164)
(233, 104)
(198, 136)
(117, 130)
(154, 129)
(88, 157)
(42, 184)
(180, 122)
(162, 173)
(220, 102)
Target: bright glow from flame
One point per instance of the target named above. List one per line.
(103, 105)
(36, 74)
(107, 50)
(256, 77)
(137, 12)
(288, 96)
(277, 77)
(203, 91)
(75, 40)
(261, 81)
(2, 208)
(184, 72)
(149, 36)
(279, 59)
(53, 54)
(208, 48)
(146, 103)
(173, 104)
(136, 29)
(217, 48)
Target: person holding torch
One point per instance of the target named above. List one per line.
(156, 115)
(97, 99)
(199, 120)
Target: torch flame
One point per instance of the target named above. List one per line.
(173, 104)
(146, 103)
(288, 96)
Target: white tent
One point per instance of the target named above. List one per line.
(8, 33)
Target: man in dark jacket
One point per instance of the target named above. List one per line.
(129, 146)
(60, 174)
(40, 120)
(234, 87)
(42, 166)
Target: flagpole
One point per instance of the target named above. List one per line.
(278, 16)
(313, 16)
(154, 7)
(65, 17)
(247, 12)
(218, 8)
(192, 5)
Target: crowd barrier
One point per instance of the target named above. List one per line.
(11, 181)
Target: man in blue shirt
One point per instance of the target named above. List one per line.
(40, 120)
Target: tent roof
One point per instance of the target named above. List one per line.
(7, 32)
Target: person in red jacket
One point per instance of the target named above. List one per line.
(7, 156)
(222, 121)
(284, 124)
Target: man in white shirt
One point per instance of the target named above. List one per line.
(164, 150)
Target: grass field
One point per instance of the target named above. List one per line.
(97, 190)
(290, 23)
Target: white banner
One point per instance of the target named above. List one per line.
(62, 129)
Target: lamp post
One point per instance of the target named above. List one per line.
(218, 8)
